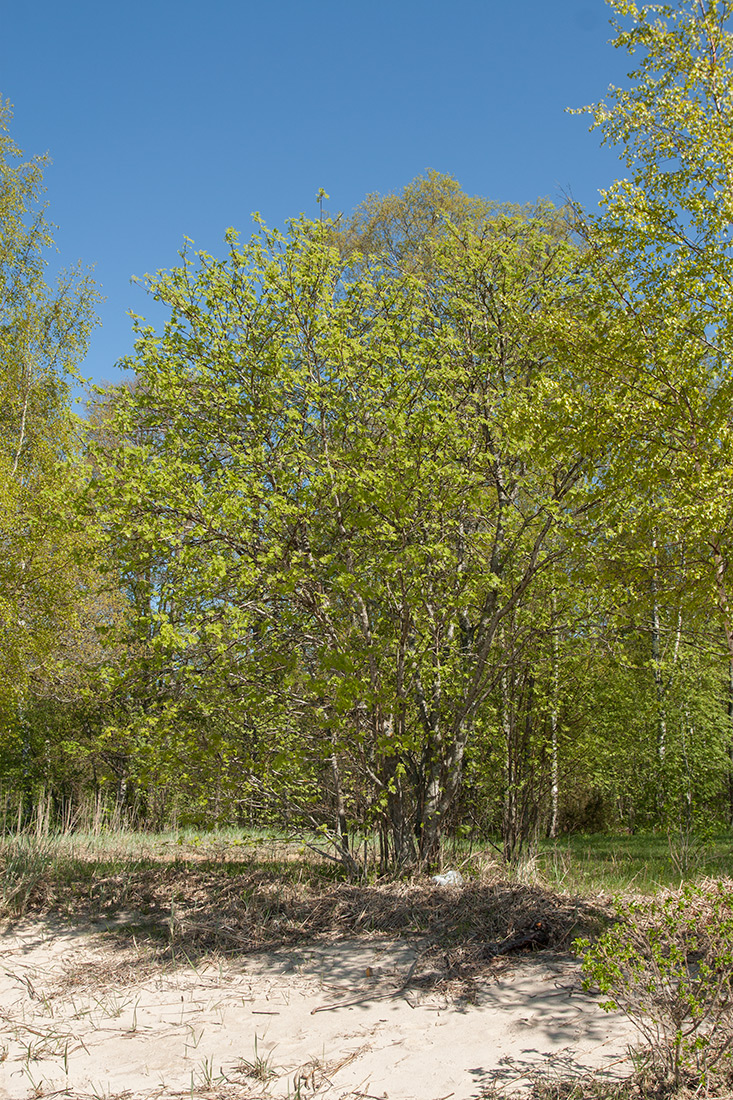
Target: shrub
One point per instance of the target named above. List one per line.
(667, 964)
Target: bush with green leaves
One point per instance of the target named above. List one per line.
(667, 964)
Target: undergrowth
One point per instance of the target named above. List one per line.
(250, 898)
(667, 964)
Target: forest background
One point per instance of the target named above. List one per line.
(406, 524)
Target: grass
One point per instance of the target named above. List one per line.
(589, 1088)
(90, 876)
(637, 1087)
(192, 900)
(259, 1067)
(644, 863)
(163, 877)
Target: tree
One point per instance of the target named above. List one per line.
(341, 480)
(43, 335)
(663, 256)
(405, 230)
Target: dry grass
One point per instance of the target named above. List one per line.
(129, 966)
(155, 910)
(247, 900)
(637, 1087)
(200, 908)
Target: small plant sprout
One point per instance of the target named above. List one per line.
(206, 1074)
(259, 1068)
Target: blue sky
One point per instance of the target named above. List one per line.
(166, 120)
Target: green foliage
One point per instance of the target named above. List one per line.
(667, 963)
(661, 251)
(414, 521)
(332, 484)
(43, 334)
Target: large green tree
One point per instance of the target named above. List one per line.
(43, 334)
(662, 254)
(339, 479)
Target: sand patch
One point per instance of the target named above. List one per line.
(377, 1016)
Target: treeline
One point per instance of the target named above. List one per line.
(408, 524)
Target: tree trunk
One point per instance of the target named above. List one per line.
(721, 564)
(730, 739)
(398, 818)
(342, 831)
(554, 751)
(510, 816)
(657, 665)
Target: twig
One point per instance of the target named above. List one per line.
(372, 997)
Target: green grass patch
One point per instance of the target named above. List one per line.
(643, 863)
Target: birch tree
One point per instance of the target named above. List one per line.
(43, 333)
(663, 255)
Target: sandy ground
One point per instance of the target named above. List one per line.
(84, 1017)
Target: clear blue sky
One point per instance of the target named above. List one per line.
(169, 119)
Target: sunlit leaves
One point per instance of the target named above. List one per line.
(334, 475)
